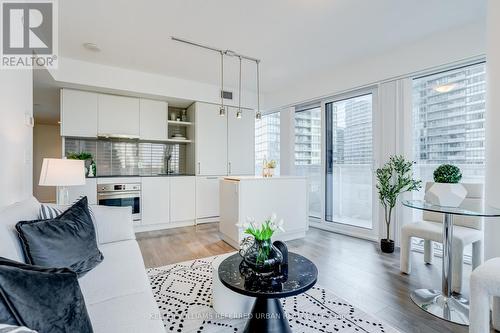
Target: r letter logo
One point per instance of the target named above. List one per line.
(29, 36)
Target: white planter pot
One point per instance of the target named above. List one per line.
(443, 194)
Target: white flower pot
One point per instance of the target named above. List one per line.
(442, 194)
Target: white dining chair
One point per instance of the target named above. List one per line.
(467, 230)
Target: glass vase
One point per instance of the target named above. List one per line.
(262, 256)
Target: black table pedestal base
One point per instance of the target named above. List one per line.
(267, 316)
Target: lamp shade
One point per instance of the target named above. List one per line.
(62, 172)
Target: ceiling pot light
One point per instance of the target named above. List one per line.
(444, 88)
(91, 47)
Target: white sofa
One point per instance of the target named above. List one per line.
(117, 292)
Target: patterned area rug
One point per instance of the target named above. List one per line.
(183, 292)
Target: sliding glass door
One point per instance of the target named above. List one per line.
(349, 184)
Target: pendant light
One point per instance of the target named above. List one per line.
(238, 113)
(222, 109)
(258, 114)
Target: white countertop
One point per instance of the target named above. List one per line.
(250, 178)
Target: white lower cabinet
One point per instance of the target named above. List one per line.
(182, 198)
(89, 190)
(155, 200)
(207, 197)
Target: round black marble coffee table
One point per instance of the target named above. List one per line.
(267, 313)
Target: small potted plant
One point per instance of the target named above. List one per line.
(268, 169)
(393, 179)
(89, 162)
(446, 189)
(258, 251)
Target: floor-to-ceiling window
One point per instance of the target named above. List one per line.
(308, 154)
(448, 124)
(267, 141)
(349, 161)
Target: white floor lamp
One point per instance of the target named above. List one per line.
(62, 173)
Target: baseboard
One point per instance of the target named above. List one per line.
(208, 220)
(352, 233)
(154, 227)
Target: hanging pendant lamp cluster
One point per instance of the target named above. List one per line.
(222, 109)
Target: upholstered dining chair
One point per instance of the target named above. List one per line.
(467, 230)
(485, 290)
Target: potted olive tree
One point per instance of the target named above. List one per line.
(446, 190)
(394, 178)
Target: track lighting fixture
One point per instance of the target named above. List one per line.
(222, 109)
(258, 114)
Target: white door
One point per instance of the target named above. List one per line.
(118, 115)
(155, 200)
(241, 142)
(207, 197)
(153, 120)
(182, 198)
(78, 113)
(211, 140)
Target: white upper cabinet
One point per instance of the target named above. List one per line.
(211, 140)
(155, 200)
(241, 142)
(182, 199)
(118, 115)
(78, 113)
(153, 120)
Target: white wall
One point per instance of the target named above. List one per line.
(81, 74)
(16, 136)
(492, 181)
(47, 142)
(434, 51)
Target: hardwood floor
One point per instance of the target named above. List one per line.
(352, 268)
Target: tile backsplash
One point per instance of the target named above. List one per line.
(117, 157)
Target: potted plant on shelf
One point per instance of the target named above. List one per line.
(393, 179)
(446, 190)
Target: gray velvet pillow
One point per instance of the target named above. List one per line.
(42, 299)
(68, 240)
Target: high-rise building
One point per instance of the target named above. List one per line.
(308, 137)
(449, 116)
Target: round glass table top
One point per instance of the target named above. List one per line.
(472, 209)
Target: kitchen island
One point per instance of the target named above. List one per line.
(259, 198)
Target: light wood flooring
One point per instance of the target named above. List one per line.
(352, 268)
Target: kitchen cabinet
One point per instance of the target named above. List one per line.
(241, 142)
(155, 200)
(211, 140)
(118, 116)
(182, 199)
(89, 190)
(153, 120)
(207, 197)
(78, 113)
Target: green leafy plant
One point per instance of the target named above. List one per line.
(447, 173)
(394, 178)
(263, 231)
(79, 156)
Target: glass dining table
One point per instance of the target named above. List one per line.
(443, 303)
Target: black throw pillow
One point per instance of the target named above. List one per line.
(42, 299)
(68, 240)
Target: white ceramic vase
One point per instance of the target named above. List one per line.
(444, 194)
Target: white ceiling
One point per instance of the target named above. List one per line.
(292, 37)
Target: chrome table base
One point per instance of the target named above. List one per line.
(453, 308)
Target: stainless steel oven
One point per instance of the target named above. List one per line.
(121, 195)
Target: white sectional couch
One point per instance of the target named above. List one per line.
(117, 292)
